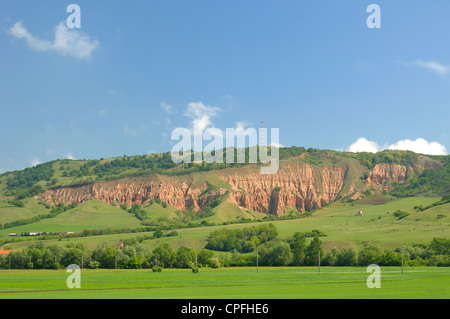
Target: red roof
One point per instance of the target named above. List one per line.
(5, 252)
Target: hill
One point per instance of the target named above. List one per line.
(146, 192)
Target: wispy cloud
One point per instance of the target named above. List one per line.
(97, 114)
(135, 131)
(67, 42)
(420, 146)
(70, 156)
(201, 115)
(430, 65)
(35, 161)
(167, 108)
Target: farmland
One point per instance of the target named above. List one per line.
(230, 283)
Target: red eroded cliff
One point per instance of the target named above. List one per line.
(297, 185)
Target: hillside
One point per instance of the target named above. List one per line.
(210, 193)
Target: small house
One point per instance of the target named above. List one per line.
(360, 213)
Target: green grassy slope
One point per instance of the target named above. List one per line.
(93, 214)
(338, 221)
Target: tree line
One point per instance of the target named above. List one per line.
(293, 251)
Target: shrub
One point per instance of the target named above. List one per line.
(157, 269)
(195, 269)
(400, 214)
(215, 262)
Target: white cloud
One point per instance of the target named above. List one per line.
(364, 145)
(67, 42)
(70, 156)
(277, 145)
(432, 66)
(201, 115)
(167, 108)
(241, 125)
(420, 145)
(35, 161)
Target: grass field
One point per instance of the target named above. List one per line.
(233, 283)
(93, 214)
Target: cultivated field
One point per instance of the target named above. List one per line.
(232, 283)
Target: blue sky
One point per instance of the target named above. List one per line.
(134, 72)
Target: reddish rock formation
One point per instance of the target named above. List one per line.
(383, 172)
(297, 185)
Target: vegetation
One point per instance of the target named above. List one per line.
(243, 240)
(55, 211)
(291, 252)
(436, 181)
(445, 199)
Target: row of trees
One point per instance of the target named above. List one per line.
(243, 240)
(132, 255)
(295, 252)
(291, 252)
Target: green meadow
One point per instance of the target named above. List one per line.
(338, 221)
(233, 283)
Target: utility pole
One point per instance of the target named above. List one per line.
(257, 261)
(402, 262)
(319, 259)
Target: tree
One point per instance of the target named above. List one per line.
(215, 262)
(105, 255)
(164, 255)
(185, 257)
(370, 254)
(72, 256)
(330, 258)
(346, 257)
(391, 258)
(313, 251)
(298, 247)
(205, 256)
(158, 233)
(440, 246)
(278, 254)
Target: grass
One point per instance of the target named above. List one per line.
(337, 221)
(234, 283)
(10, 213)
(227, 211)
(93, 214)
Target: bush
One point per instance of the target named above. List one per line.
(400, 214)
(93, 264)
(215, 262)
(157, 269)
(195, 269)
